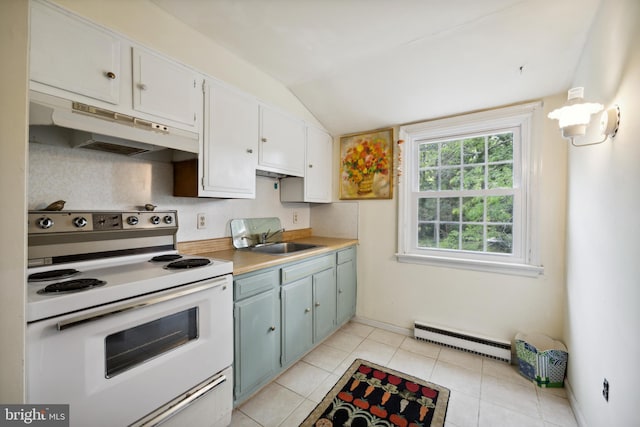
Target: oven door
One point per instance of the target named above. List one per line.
(116, 363)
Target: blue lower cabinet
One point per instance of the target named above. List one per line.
(281, 313)
(346, 272)
(256, 332)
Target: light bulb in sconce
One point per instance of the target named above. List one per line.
(574, 117)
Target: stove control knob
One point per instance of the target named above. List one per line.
(168, 219)
(132, 220)
(45, 223)
(79, 221)
(155, 220)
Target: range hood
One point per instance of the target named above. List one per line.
(269, 174)
(101, 129)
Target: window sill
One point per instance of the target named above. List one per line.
(473, 264)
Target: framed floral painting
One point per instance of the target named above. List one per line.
(366, 164)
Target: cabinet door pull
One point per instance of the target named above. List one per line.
(110, 75)
(306, 310)
(264, 139)
(273, 328)
(249, 150)
(317, 304)
(310, 165)
(142, 86)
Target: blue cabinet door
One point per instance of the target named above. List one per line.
(346, 285)
(324, 303)
(297, 319)
(257, 341)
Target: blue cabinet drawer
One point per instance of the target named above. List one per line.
(254, 283)
(307, 268)
(345, 255)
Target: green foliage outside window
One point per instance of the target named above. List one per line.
(457, 209)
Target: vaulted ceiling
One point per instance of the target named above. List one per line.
(364, 64)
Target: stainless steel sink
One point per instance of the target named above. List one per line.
(284, 248)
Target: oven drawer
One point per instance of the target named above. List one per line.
(207, 405)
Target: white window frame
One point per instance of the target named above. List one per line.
(524, 260)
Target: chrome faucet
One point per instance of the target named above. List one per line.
(266, 236)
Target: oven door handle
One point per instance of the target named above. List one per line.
(134, 305)
(160, 415)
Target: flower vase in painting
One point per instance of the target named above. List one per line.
(365, 165)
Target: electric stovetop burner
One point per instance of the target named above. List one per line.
(187, 263)
(164, 258)
(71, 286)
(52, 275)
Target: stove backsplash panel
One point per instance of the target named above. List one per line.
(94, 180)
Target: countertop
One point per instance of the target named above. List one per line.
(245, 261)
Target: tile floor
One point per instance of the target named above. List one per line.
(484, 392)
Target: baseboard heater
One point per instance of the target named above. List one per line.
(493, 348)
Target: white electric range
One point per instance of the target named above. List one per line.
(122, 327)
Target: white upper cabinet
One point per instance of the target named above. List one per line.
(315, 187)
(230, 143)
(317, 181)
(74, 59)
(165, 89)
(282, 142)
(69, 54)
(235, 135)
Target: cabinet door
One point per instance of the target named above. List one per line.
(282, 142)
(347, 288)
(324, 303)
(317, 178)
(165, 89)
(297, 319)
(230, 143)
(257, 341)
(69, 54)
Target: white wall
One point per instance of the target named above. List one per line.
(603, 268)
(13, 164)
(493, 305)
(337, 219)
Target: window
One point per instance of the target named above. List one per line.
(136, 345)
(467, 192)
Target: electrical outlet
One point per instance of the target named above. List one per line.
(202, 221)
(295, 217)
(605, 389)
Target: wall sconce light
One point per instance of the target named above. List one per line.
(574, 117)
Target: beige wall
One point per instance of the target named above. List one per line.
(13, 163)
(494, 305)
(603, 309)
